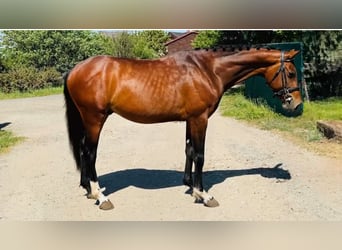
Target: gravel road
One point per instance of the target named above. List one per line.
(255, 175)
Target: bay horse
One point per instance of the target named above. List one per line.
(184, 86)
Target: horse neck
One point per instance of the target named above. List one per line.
(238, 67)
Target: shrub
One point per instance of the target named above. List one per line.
(25, 78)
(52, 77)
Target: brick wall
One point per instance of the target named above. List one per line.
(181, 43)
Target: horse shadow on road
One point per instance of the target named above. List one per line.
(4, 124)
(157, 179)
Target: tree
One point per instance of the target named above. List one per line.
(211, 38)
(150, 43)
(121, 45)
(50, 48)
(322, 52)
(140, 44)
(318, 46)
(207, 39)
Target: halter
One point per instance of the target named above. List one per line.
(285, 91)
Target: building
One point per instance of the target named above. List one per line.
(180, 41)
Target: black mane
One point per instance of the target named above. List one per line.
(236, 47)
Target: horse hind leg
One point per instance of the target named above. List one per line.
(88, 152)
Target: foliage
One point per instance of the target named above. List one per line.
(236, 105)
(142, 44)
(121, 45)
(207, 39)
(7, 140)
(150, 43)
(303, 127)
(32, 93)
(50, 48)
(210, 38)
(26, 78)
(246, 37)
(322, 53)
(33, 59)
(317, 47)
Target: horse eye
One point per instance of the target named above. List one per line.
(292, 74)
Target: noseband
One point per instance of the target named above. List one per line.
(285, 91)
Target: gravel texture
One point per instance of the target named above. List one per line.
(255, 175)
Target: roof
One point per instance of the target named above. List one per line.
(174, 35)
(181, 37)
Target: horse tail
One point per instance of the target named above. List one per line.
(75, 126)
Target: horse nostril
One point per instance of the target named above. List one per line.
(288, 99)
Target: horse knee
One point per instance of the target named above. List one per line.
(189, 150)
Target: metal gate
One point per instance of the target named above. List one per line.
(257, 90)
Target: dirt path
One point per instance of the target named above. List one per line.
(254, 174)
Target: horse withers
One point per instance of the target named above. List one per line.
(185, 86)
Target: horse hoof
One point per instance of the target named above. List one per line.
(211, 203)
(106, 205)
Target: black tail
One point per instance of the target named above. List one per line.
(74, 123)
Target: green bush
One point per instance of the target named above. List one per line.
(52, 77)
(25, 79)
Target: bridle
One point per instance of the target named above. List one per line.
(284, 93)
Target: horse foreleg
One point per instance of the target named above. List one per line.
(189, 153)
(198, 192)
(198, 132)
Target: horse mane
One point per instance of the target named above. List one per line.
(236, 47)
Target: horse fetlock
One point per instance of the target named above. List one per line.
(197, 195)
(207, 199)
(95, 191)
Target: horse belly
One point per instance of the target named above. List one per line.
(146, 108)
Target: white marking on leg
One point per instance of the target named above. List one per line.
(102, 198)
(204, 196)
(96, 192)
(197, 194)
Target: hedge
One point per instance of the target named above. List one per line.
(25, 78)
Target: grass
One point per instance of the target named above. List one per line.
(300, 129)
(33, 93)
(7, 140)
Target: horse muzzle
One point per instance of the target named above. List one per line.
(290, 103)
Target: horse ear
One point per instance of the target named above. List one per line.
(292, 53)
